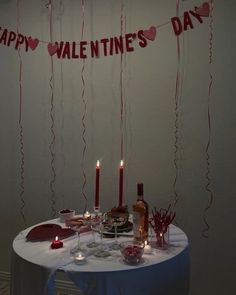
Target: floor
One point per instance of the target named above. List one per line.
(5, 290)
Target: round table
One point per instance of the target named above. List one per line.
(163, 272)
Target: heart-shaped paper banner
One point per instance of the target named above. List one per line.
(52, 48)
(150, 34)
(203, 10)
(33, 43)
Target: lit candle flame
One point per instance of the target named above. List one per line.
(87, 214)
(121, 163)
(98, 164)
(56, 238)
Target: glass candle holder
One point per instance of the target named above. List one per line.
(80, 257)
(162, 239)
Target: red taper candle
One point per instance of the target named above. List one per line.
(96, 204)
(121, 180)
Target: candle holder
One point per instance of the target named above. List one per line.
(96, 210)
(87, 216)
(160, 221)
(80, 258)
(147, 248)
(162, 239)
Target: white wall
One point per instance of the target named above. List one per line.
(149, 86)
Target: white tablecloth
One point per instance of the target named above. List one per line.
(34, 265)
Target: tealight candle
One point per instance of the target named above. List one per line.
(79, 258)
(147, 248)
(56, 244)
(87, 215)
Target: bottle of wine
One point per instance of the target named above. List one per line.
(140, 216)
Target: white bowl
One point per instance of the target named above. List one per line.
(66, 214)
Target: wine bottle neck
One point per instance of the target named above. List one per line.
(140, 197)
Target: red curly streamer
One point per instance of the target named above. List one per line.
(53, 137)
(176, 125)
(84, 116)
(205, 231)
(22, 154)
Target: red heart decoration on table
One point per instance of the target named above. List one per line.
(52, 48)
(150, 34)
(203, 10)
(33, 43)
(48, 232)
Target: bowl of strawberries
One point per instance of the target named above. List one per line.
(132, 251)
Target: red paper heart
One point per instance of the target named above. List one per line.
(203, 10)
(45, 232)
(150, 34)
(33, 43)
(52, 48)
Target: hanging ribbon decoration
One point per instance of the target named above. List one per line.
(176, 111)
(22, 154)
(205, 230)
(127, 126)
(53, 137)
(83, 116)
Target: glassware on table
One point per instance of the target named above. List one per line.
(77, 225)
(94, 223)
(132, 251)
(105, 224)
(118, 219)
(80, 257)
(162, 238)
(76, 248)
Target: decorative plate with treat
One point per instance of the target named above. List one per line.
(120, 217)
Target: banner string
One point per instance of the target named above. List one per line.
(53, 136)
(76, 43)
(205, 230)
(84, 115)
(22, 154)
